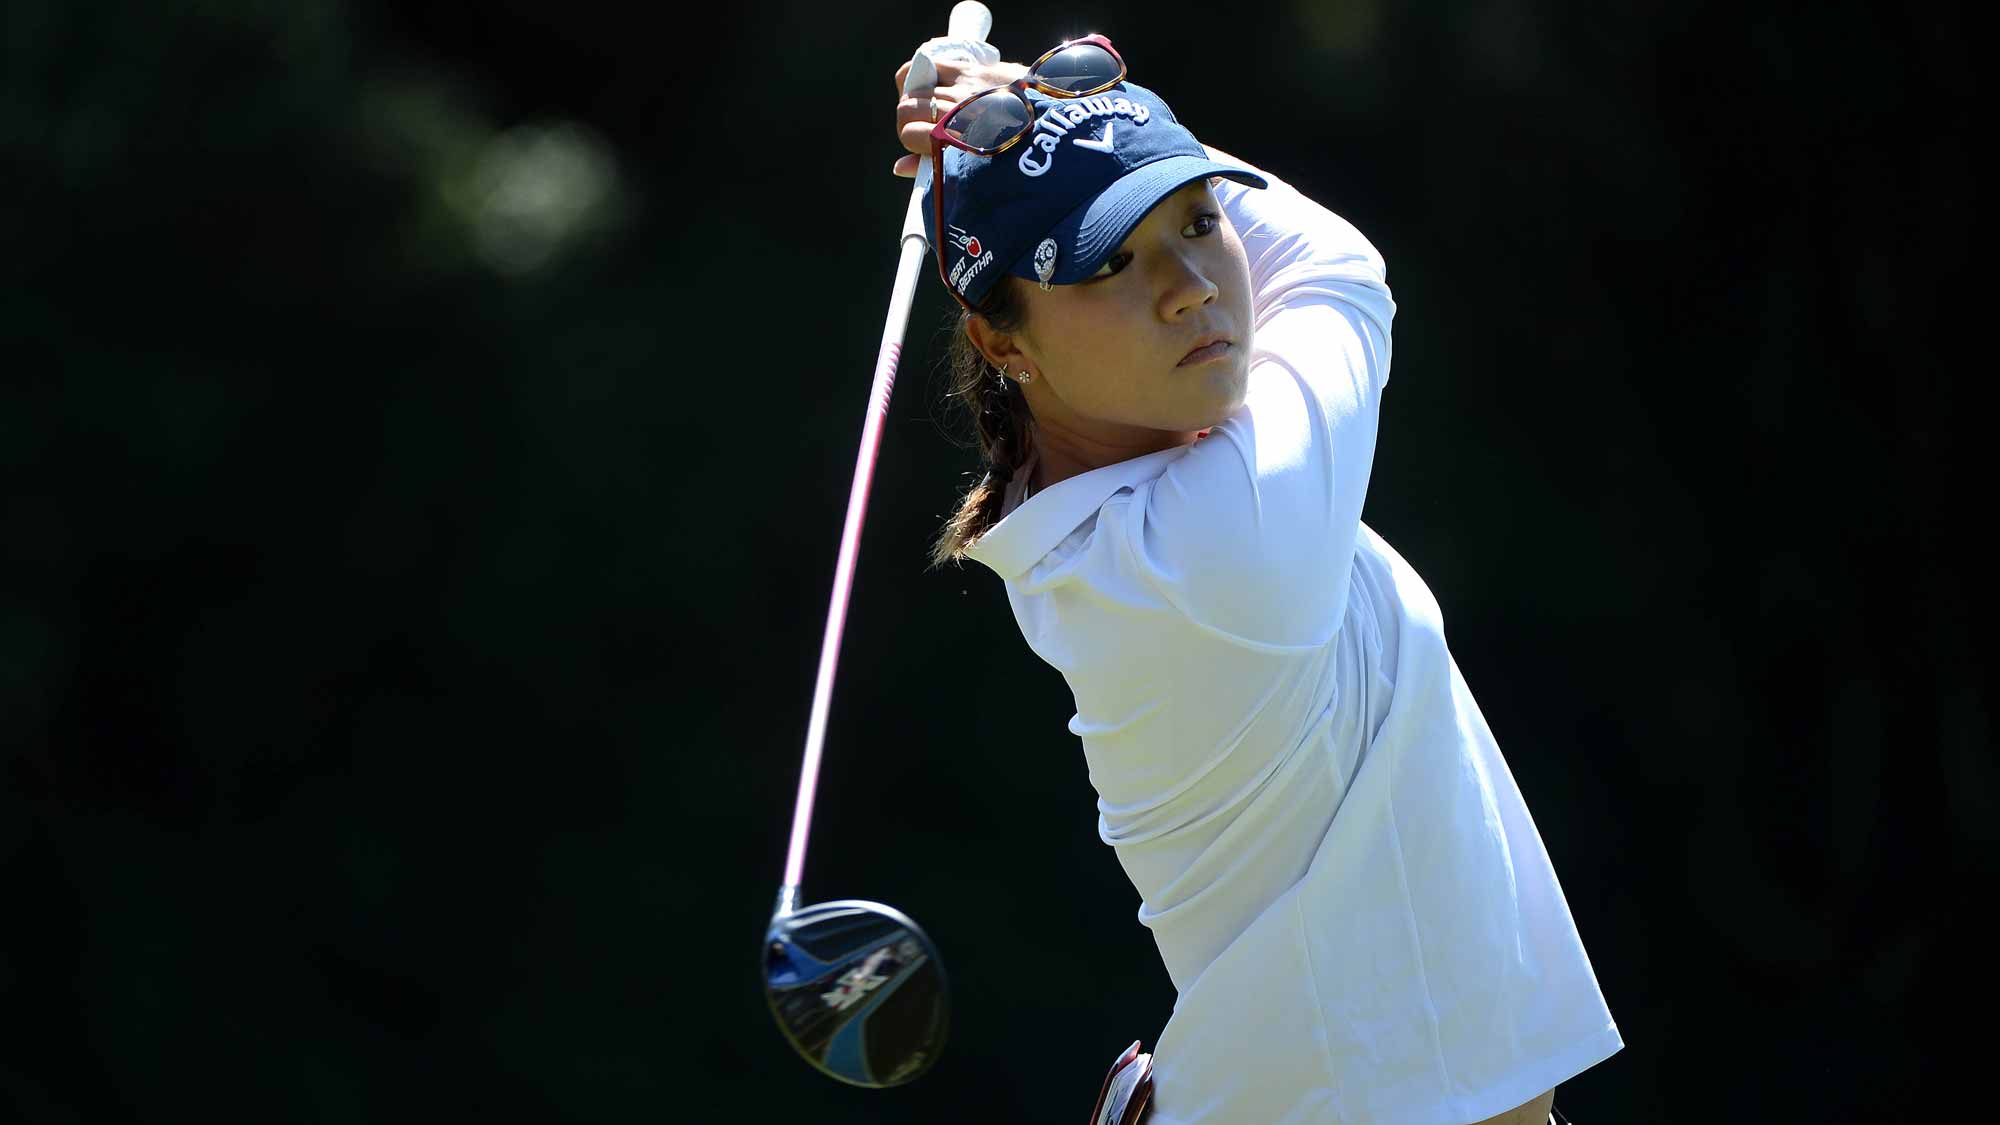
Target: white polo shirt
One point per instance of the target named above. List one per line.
(1338, 869)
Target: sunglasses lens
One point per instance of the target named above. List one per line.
(989, 122)
(1079, 69)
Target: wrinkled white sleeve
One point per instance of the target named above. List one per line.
(1252, 533)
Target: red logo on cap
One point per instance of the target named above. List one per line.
(972, 247)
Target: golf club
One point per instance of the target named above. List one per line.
(857, 987)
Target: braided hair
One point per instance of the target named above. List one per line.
(1000, 418)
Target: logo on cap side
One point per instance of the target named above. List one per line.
(1045, 261)
(974, 257)
(963, 242)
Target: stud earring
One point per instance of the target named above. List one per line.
(1025, 377)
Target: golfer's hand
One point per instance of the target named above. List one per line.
(958, 80)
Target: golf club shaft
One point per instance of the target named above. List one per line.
(969, 20)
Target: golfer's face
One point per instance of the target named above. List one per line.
(1108, 349)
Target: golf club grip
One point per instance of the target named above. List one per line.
(970, 20)
(967, 16)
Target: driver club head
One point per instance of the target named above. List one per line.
(858, 990)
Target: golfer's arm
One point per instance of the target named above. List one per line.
(1295, 244)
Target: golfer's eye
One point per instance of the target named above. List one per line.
(1202, 226)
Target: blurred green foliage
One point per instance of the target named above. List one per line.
(426, 434)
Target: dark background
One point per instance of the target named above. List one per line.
(426, 434)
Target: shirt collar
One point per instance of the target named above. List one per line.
(1021, 537)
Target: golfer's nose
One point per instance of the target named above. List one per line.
(1188, 287)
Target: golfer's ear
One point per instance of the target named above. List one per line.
(1001, 349)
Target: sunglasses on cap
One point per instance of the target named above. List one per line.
(995, 119)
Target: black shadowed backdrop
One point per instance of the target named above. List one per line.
(425, 438)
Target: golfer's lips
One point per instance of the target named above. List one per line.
(1213, 345)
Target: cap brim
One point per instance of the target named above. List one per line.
(1090, 234)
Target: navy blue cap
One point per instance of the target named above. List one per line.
(1060, 201)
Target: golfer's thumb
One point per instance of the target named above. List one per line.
(923, 76)
(961, 51)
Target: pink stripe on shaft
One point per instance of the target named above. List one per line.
(836, 614)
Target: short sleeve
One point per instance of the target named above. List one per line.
(1252, 533)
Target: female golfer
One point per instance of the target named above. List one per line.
(1175, 362)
